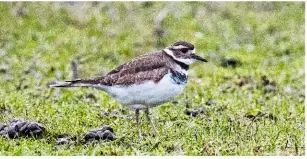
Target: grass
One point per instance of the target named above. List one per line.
(39, 40)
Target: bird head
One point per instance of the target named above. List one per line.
(184, 52)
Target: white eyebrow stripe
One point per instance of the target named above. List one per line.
(185, 61)
(179, 47)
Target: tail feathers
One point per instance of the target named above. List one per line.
(72, 83)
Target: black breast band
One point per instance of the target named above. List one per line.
(178, 77)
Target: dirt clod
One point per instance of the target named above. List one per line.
(18, 128)
(90, 135)
(194, 111)
(106, 127)
(106, 133)
(230, 62)
(62, 141)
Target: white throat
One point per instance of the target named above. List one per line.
(185, 61)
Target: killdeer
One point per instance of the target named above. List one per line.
(147, 81)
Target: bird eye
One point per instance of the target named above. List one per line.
(184, 50)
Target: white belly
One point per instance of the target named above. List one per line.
(148, 93)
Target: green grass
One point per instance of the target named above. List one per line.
(39, 40)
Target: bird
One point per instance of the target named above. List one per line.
(147, 81)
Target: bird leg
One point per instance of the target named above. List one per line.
(137, 116)
(150, 121)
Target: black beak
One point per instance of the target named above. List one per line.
(196, 57)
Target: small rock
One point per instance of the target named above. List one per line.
(230, 62)
(194, 111)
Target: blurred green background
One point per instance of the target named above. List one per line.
(38, 41)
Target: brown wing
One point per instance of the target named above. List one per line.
(149, 67)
